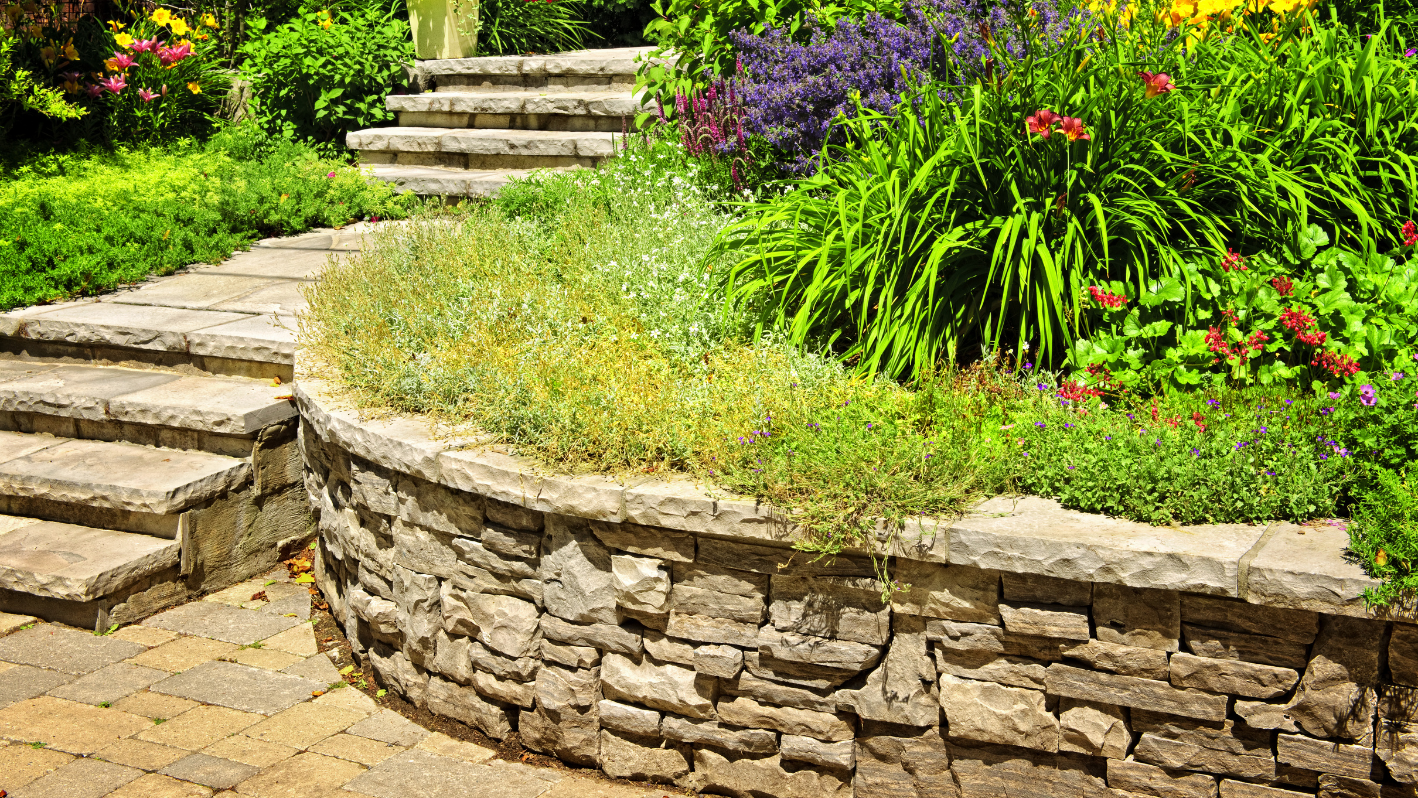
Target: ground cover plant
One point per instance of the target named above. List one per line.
(80, 223)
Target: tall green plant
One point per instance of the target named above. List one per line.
(514, 27)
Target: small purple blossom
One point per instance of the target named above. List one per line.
(1366, 395)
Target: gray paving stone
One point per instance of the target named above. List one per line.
(65, 650)
(133, 326)
(299, 606)
(221, 622)
(210, 771)
(189, 290)
(15, 369)
(78, 563)
(240, 687)
(76, 391)
(13, 623)
(280, 262)
(226, 405)
(435, 181)
(82, 778)
(284, 297)
(416, 774)
(388, 726)
(18, 444)
(23, 682)
(106, 685)
(265, 339)
(318, 668)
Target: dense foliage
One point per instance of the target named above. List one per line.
(517, 27)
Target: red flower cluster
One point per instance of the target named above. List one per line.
(1107, 300)
(1233, 262)
(1042, 123)
(1410, 233)
(1076, 391)
(1336, 364)
(1103, 378)
(1241, 351)
(1302, 324)
(1284, 285)
(1199, 420)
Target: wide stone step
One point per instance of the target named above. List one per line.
(77, 563)
(433, 181)
(481, 149)
(71, 478)
(578, 63)
(567, 103)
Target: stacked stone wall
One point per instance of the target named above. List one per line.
(739, 667)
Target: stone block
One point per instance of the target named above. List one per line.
(1397, 745)
(666, 686)
(980, 638)
(1325, 756)
(574, 737)
(709, 732)
(690, 600)
(654, 542)
(1093, 729)
(1039, 589)
(724, 662)
(798, 674)
(576, 572)
(433, 506)
(560, 690)
(422, 550)
(520, 669)
(839, 755)
(1331, 786)
(513, 516)
(1226, 644)
(1241, 789)
(641, 583)
(481, 558)
(1045, 620)
(1260, 715)
(631, 720)
(419, 612)
(997, 771)
(668, 649)
(1295, 626)
(570, 656)
(508, 692)
(776, 561)
(1144, 779)
(1131, 616)
(841, 608)
(1146, 663)
(1008, 671)
(511, 542)
(771, 692)
(382, 615)
(950, 592)
(606, 637)
(992, 713)
(1188, 755)
(1403, 654)
(748, 776)
(624, 757)
(505, 624)
(902, 762)
(1130, 691)
(741, 711)
(1336, 696)
(901, 688)
(398, 674)
(705, 629)
(1248, 679)
(818, 651)
(466, 705)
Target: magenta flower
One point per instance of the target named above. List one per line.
(145, 45)
(332, 174)
(171, 55)
(146, 96)
(114, 84)
(93, 90)
(1157, 83)
(1366, 396)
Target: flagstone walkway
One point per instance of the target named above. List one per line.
(232, 697)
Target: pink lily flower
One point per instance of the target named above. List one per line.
(119, 62)
(93, 90)
(1157, 83)
(1041, 122)
(145, 45)
(114, 84)
(146, 96)
(171, 55)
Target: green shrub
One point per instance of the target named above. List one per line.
(515, 27)
(73, 225)
(1384, 536)
(19, 92)
(324, 74)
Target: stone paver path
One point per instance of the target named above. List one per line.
(228, 696)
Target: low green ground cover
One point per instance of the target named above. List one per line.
(80, 223)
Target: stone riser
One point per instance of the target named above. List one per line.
(142, 434)
(556, 122)
(63, 352)
(496, 83)
(458, 160)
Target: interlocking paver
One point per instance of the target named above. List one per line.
(577, 787)
(390, 727)
(304, 725)
(66, 725)
(19, 682)
(317, 668)
(297, 607)
(21, 764)
(141, 754)
(210, 771)
(239, 687)
(200, 727)
(265, 658)
(443, 745)
(9, 622)
(109, 684)
(257, 753)
(183, 653)
(419, 774)
(296, 640)
(349, 698)
(301, 776)
(356, 749)
(154, 705)
(239, 593)
(82, 778)
(220, 622)
(144, 635)
(64, 650)
(154, 785)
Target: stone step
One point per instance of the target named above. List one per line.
(434, 181)
(480, 149)
(221, 415)
(114, 485)
(594, 64)
(602, 111)
(76, 563)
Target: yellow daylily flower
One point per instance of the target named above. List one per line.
(115, 26)
(179, 27)
(209, 20)
(162, 16)
(69, 51)
(124, 40)
(194, 87)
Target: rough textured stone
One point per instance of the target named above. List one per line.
(629, 719)
(1093, 729)
(433, 506)
(1130, 691)
(741, 711)
(1295, 626)
(668, 649)
(573, 737)
(1397, 745)
(511, 542)
(1009, 671)
(1187, 754)
(1331, 786)
(709, 732)
(508, 692)
(690, 600)
(398, 674)
(992, 713)
(1325, 756)
(1336, 697)
(420, 614)
(841, 608)
(666, 686)
(776, 561)
(979, 638)
(840, 755)
(512, 515)
(502, 623)
(902, 762)
(603, 636)
(465, 704)
(1248, 679)
(1241, 789)
(941, 591)
(750, 776)
(641, 583)
(560, 690)
(706, 629)
(1147, 663)
(997, 771)
(623, 757)
(1260, 715)
(1045, 620)
(382, 615)
(1137, 777)
(570, 656)
(1403, 654)
(901, 688)
(1226, 644)
(650, 541)
(1131, 616)
(818, 651)
(1304, 567)
(765, 691)
(576, 570)
(425, 551)
(1038, 589)
(724, 662)
(797, 674)
(479, 556)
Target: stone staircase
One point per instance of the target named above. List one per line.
(147, 440)
(485, 120)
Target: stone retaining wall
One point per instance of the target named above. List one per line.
(1037, 653)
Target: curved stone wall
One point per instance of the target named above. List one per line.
(660, 633)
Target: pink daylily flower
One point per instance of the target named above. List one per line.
(145, 45)
(1157, 83)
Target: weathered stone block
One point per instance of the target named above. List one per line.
(690, 600)
(1093, 729)
(641, 583)
(902, 762)
(1039, 589)
(1295, 626)
(372, 489)
(1146, 663)
(840, 755)
(1130, 691)
(1241, 789)
(576, 572)
(1325, 756)
(1260, 715)
(464, 704)
(604, 636)
(512, 515)
(1188, 755)
(992, 713)
(1403, 654)
(1248, 679)
(506, 691)
(629, 719)
(560, 690)
(770, 692)
(818, 651)
(650, 541)
(840, 608)
(709, 732)
(382, 615)
(573, 737)
(746, 712)
(1397, 745)
(475, 554)
(570, 656)
(749, 776)
(950, 592)
(1137, 777)
(505, 624)
(900, 689)
(979, 638)
(435, 507)
(1001, 772)
(722, 661)
(666, 686)
(623, 757)
(1331, 786)
(1045, 620)
(721, 579)
(1336, 697)
(705, 629)
(798, 674)
(1225, 644)
(422, 550)
(480, 580)
(1131, 616)
(399, 675)
(420, 613)
(779, 561)
(668, 649)
(511, 542)
(1009, 671)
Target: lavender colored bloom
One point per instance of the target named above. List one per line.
(1366, 395)
(1333, 395)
